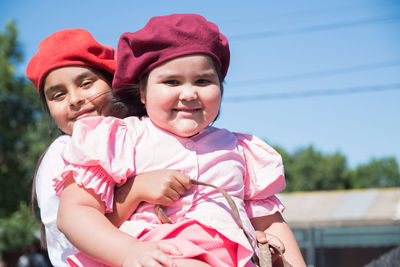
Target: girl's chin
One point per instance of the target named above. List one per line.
(187, 129)
(186, 134)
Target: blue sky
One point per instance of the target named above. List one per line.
(322, 73)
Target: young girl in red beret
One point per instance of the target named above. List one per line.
(73, 73)
(175, 65)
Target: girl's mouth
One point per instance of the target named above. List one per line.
(188, 111)
(82, 114)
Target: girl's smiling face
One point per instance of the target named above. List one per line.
(73, 93)
(183, 95)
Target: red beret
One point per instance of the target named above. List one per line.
(164, 38)
(71, 47)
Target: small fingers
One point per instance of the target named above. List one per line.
(169, 197)
(150, 262)
(271, 240)
(158, 255)
(158, 259)
(174, 193)
(178, 188)
(169, 248)
(165, 201)
(261, 237)
(184, 180)
(275, 242)
(177, 182)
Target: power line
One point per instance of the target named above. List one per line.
(308, 75)
(312, 28)
(314, 93)
(312, 12)
(276, 33)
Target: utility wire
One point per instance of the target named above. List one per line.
(313, 93)
(309, 75)
(312, 12)
(276, 33)
(312, 28)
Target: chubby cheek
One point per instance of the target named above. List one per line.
(162, 100)
(213, 104)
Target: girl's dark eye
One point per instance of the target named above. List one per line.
(171, 82)
(86, 83)
(203, 82)
(57, 95)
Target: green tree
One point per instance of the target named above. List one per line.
(376, 173)
(19, 109)
(308, 169)
(24, 134)
(18, 230)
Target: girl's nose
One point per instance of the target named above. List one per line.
(188, 93)
(76, 98)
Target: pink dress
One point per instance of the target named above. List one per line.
(105, 151)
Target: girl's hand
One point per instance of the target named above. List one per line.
(161, 187)
(150, 254)
(272, 240)
(275, 225)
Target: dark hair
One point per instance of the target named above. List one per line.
(43, 242)
(221, 83)
(127, 102)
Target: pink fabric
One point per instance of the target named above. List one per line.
(196, 241)
(243, 165)
(81, 260)
(193, 240)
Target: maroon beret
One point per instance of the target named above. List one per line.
(70, 47)
(164, 38)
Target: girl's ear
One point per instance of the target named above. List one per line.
(142, 95)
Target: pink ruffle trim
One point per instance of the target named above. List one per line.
(95, 178)
(259, 208)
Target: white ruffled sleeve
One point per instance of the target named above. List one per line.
(99, 156)
(264, 177)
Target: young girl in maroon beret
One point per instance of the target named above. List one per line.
(73, 73)
(175, 65)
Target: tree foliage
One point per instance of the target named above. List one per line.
(18, 106)
(23, 126)
(18, 230)
(377, 173)
(23, 136)
(308, 169)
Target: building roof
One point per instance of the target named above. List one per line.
(342, 208)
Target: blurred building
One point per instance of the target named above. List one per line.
(344, 228)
